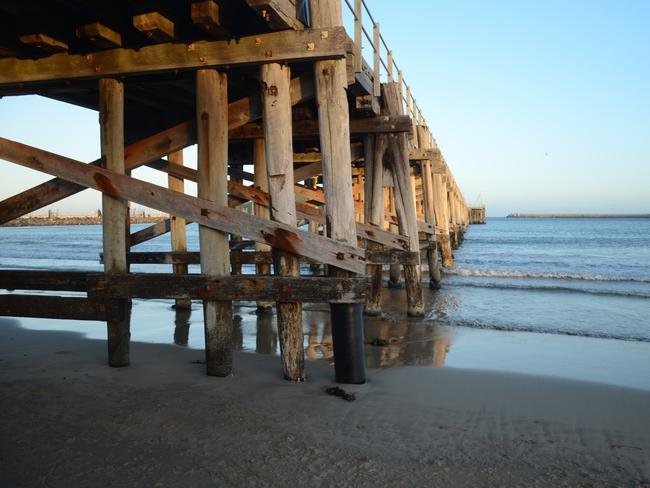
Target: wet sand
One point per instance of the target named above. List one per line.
(69, 420)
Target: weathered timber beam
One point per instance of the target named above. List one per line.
(278, 14)
(145, 151)
(356, 150)
(310, 212)
(309, 128)
(199, 287)
(55, 307)
(44, 42)
(137, 154)
(205, 213)
(259, 197)
(391, 256)
(99, 35)
(307, 171)
(43, 280)
(279, 47)
(151, 232)
(155, 26)
(206, 15)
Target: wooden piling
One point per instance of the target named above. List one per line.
(330, 80)
(374, 214)
(404, 202)
(441, 210)
(453, 227)
(262, 183)
(114, 212)
(276, 102)
(178, 231)
(212, 136)
(314, 226)
(429, 213)
(394, 270)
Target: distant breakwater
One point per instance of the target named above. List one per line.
(577, 216)
(40, 220)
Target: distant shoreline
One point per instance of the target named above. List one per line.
(76, 220)
(577, 216)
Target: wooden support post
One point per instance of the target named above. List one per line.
(333, 114)
(404, 202)
(374, 213)
(279, 165)
(261, 182)
(429, 213)
(442, 219)
(178, 225)
(114, 212)
(453, 228)
(314, 226)
(389, 63)
(235, 268)
(212, 135)
(395, 271)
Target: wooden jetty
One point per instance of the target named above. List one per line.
(477, 215)
(278, 88)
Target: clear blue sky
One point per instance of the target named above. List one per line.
(538, 106)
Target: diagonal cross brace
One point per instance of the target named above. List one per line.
(203, 212)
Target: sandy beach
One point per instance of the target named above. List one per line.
(72, 421)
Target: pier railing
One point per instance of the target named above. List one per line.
(385, 60)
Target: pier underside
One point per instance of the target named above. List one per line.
(304, 155)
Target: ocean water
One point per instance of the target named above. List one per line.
(587, 277)
(567, 298)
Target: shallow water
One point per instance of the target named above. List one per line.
(567, 298)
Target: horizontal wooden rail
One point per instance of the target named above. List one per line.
(391, 256)
(56, 307)
(309, 128)
(199, 287)
(103, 287)
(43, 280)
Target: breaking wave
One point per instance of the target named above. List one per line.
(550, 276)
(568, 289)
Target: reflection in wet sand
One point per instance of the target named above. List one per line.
(182, 325)
(404, 344)
(237, 333)
(266, 338)
(391, 340)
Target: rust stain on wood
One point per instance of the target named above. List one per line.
(105, 185)
(283, 239)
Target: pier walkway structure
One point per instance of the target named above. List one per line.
(277, 86)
